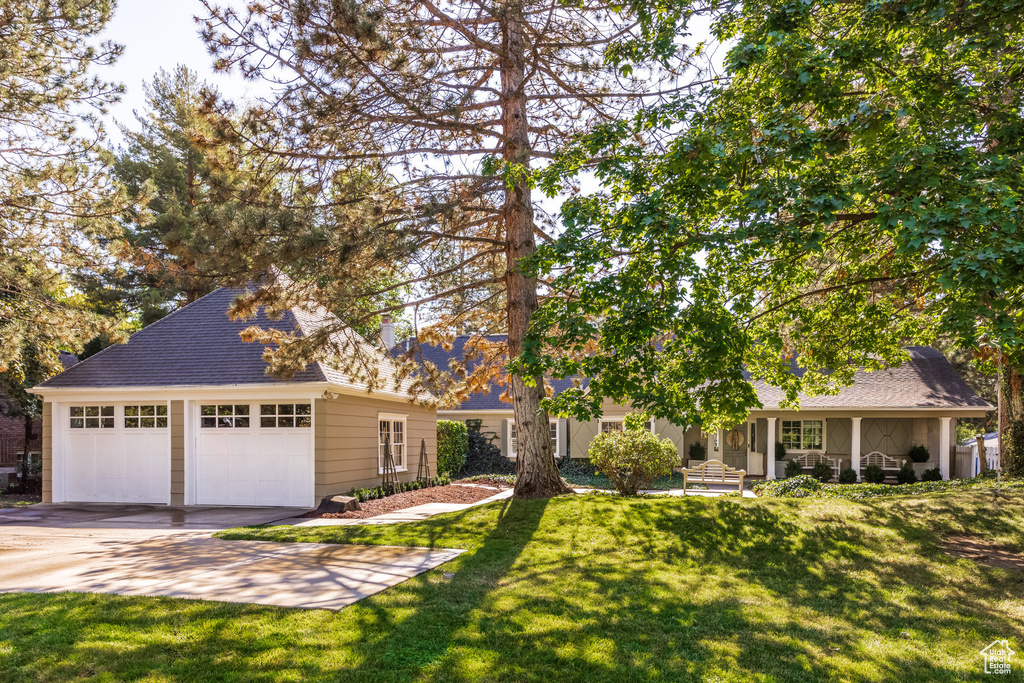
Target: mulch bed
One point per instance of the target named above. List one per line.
(400, 501)
(983, 552)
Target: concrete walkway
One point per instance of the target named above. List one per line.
(153, 551)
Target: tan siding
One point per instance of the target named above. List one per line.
(346, 441)
(47, 452)
(177, 452)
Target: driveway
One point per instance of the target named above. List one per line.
(159, 551)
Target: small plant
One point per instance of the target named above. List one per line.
(906, 475)
(780, 451)
(793, 469)
(632, 459)
(873, 474)
(932, 474)
(919, 453)
(452, 445)
(848, 475)
(821, 471)
(698, 451)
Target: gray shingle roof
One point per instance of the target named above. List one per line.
(489, 400)
(926, 380)
(199, 345)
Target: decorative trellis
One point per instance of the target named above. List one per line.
(390, 480)
(423, 471)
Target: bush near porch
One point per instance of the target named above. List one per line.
(805, 486)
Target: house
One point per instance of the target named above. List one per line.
(184, 413)
(12, 430)
(886, 411)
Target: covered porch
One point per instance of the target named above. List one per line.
(846, 439)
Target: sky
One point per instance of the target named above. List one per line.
(160, 34)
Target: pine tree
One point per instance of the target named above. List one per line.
(58, 205)
(458, 102)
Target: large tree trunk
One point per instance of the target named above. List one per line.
(537, 473)
(1011, 420)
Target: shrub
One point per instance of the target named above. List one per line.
(698, 451)
(919, 453)
(821, 471)
(848, 475)
(800, 486)
(632, 459)
(577, 467)
(906, 475)
(483, 457)
(932, 474)
(780, 451)
(452, 445)
(793, 469)
(873, 474)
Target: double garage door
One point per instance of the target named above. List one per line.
(244, 454)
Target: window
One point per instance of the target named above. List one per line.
(224, 416)
(753, 436)
(553, 427)
(393, 425)
(92, 417)
(286, 415)
(803, 435)
(617, 424)
(145, 417)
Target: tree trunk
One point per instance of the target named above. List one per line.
(24, 452)
(1011, 420)
(537, 473)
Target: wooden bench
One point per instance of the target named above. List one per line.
(886, 462)
(811, 458)
(713, 472)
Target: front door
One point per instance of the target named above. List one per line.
(734, 451)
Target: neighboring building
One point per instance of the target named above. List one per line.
(185, 414)
(886, 411)
(12, 429)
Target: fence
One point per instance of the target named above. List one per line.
(967, 463)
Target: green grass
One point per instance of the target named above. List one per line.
(589, 588)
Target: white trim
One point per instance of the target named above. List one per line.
(511, 424)
(614, 418)
(394, 417)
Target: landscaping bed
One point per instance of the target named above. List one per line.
(18, 500)
(451, 493)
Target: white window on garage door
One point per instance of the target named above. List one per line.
(393, 426)
(91, 417)
(286, 415)
(224, 416)
(145, 417)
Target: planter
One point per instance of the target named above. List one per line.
(780, 469)
(920, 467)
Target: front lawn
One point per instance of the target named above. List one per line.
(590, 588)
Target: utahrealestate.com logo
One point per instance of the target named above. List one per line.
(997, 657)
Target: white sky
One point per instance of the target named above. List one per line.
(160, 34)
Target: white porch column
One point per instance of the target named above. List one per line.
(770, 447)
(855, 445)
(944, 446)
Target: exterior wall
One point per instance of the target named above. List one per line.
(177, 426)
(346, 437)
(47, 452)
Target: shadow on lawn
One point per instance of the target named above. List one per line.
(643, 590)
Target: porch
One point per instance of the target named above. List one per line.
(845, 440)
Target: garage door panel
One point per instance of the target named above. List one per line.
(255, 466)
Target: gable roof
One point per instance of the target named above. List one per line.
(199, 344)
(926, 380)
(489, 400)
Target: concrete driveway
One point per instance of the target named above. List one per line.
(159, 551)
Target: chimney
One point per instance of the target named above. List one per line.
(387, 333)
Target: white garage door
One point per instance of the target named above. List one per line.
(255, 454)
(115, 453)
